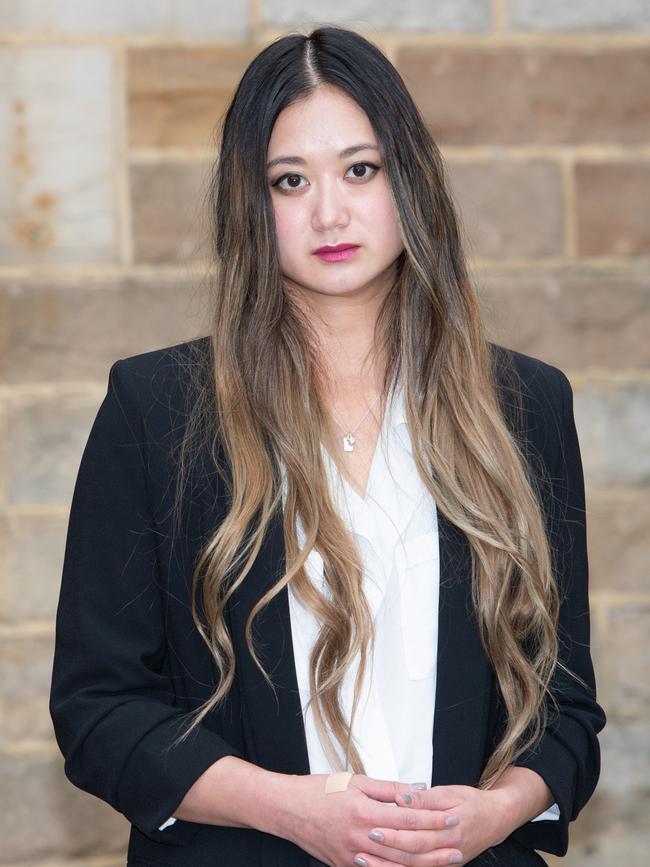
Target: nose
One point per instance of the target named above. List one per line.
(330, 207)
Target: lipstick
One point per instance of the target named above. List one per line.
(336, 253)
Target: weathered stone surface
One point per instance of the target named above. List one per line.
(169, 212)
(46, 437)
(609, 830)
(626, 756)
(579, 14)
(530, 94)
(573, 317)
(618, 539)
(407, 15)
(70, 822)
(25, 673)
(614, 824)
(109, 861)
(56, 180)
(177, 96)
(510, 208)
(612, 422)
(612, 208)
(170, 18)
(622, 658)
(77, 330)
(31, 566)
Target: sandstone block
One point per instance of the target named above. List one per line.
(575, 318)
(70, 822)
(171, 18)
(461, 15)
(177, 96)
(618, 539)
(170, 214)
(26, 673)
(530, 94)
(509, 208)
(46, 437)
(76, 330)
(56, 180)
(622, 658)
(612, 422)
(579, 15)
(31, 566)
(612, 208)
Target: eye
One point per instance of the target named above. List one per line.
(365, 175)
(292, 176)
(282, 178)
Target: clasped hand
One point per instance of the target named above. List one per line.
(378, 822)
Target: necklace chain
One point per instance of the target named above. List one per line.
(348, 438)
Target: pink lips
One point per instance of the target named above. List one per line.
(339, 253)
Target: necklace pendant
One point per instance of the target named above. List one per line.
(348, 442)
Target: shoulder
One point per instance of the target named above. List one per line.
(537, 382)
(536, 397)
(170, 366)
(159, 384)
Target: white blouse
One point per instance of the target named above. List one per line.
(396, 529)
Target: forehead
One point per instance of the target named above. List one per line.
(326, 120)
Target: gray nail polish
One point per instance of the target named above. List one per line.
(361, 861)
(376, 835)
(407, 798)
(419, 786)
(452, 820)
(455, 859)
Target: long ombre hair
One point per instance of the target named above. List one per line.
(262, 407)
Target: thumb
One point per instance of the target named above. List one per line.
(435, 798)
(379, 790)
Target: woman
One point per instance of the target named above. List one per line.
(324, 597)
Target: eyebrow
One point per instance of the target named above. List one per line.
(299, 161)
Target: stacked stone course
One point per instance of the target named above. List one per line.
(542, 111)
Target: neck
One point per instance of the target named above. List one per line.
(344, 327)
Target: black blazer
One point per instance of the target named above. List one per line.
(129, 661)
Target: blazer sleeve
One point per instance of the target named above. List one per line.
(568, 755)
(111, 704)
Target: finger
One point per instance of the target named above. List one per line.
(379, 790)
(439, 858)
(412, 819)
(414, 842)
(436, 798)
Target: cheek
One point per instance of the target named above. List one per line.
(287, 220)
(287, 230)
(379, 210)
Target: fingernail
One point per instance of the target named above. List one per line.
(376, 835)
(419, 786)
(455, 859)
(452, 820)
(407, 798)
(360, 861)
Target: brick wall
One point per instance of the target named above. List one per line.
(542, 109)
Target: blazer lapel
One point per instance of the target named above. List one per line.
(276, 725)
(274, 722)
(463, 679)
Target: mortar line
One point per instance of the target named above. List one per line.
(122, 157)
(551, 39)
(499, 22)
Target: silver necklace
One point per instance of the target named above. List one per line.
(349, 439)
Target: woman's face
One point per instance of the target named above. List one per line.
(323, 196)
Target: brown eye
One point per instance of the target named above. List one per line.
(293, 181)
(360, 172)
